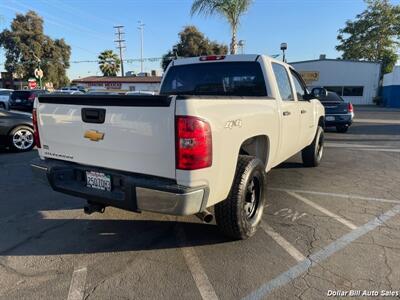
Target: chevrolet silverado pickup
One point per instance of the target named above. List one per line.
(206, 140)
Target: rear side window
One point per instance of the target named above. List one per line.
(221, 78)
(282, 79)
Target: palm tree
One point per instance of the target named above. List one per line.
(232, 10)
(109, 63)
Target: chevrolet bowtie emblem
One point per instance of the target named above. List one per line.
(93, 135)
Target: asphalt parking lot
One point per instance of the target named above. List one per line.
(332, 228)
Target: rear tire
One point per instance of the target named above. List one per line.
(21, 139)
(240, 214)
(312, 154)
(2, 105)
(342, 128)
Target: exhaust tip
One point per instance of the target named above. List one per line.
(205, 216)
(208, 218)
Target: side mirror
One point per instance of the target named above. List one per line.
(319, 92)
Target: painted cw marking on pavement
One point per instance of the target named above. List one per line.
(324, 210)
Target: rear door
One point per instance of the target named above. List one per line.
(127, 133)
(290, 113)
(307, 122)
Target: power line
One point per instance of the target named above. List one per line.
(127, 60)
(120, 44)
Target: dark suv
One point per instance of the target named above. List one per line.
(23, 99)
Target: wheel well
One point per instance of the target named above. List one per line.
(257, 146)
(19, 125)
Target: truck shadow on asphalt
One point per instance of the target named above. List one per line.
(43, 236)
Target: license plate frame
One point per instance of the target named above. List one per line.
(330, 118)
(98, 181)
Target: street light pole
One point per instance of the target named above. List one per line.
(283, 48)
(141, 27)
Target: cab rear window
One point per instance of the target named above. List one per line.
(221, 79)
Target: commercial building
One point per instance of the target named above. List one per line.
(135, 83)
(356, 81)
(391, 88)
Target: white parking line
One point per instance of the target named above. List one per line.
(361, 147)
(77, 287)
(345, 196)
(381, 150)
(324, 210)
(203, 284)
(377, 121)
(316, 258)
(349, 145)
(281, 241)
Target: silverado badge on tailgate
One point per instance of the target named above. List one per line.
(93, 135)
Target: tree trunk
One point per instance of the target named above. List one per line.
(233, 42)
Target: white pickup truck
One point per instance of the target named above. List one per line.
(208, 139)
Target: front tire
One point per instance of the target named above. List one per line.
(312, 154)
(21, 139)
(240, 214)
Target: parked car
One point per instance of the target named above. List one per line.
(68, 92)
(141, 93)
(101, 92)
(338, 113)
(74, 88)
(23, 99)
(219, 124)
(5, 98)
(16, 131)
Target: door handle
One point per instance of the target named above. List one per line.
(286, 113)
(303, 111)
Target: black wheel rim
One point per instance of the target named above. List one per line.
(252, 197)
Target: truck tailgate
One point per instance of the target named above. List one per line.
(135, 134)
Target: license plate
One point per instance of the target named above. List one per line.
(330, 118)
(99, 181)
(18, 100)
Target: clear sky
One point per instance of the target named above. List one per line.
(308, 26)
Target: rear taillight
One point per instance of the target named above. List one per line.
(31, 97)
(193, 143)
(212, 57)
(35, 128)
(350, 107)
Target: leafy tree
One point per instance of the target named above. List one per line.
(373, 35)
(27, 48)
(109, 63)
(193, 43)
(231, 10)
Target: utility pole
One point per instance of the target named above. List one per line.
(141, 27)
(119, 35)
